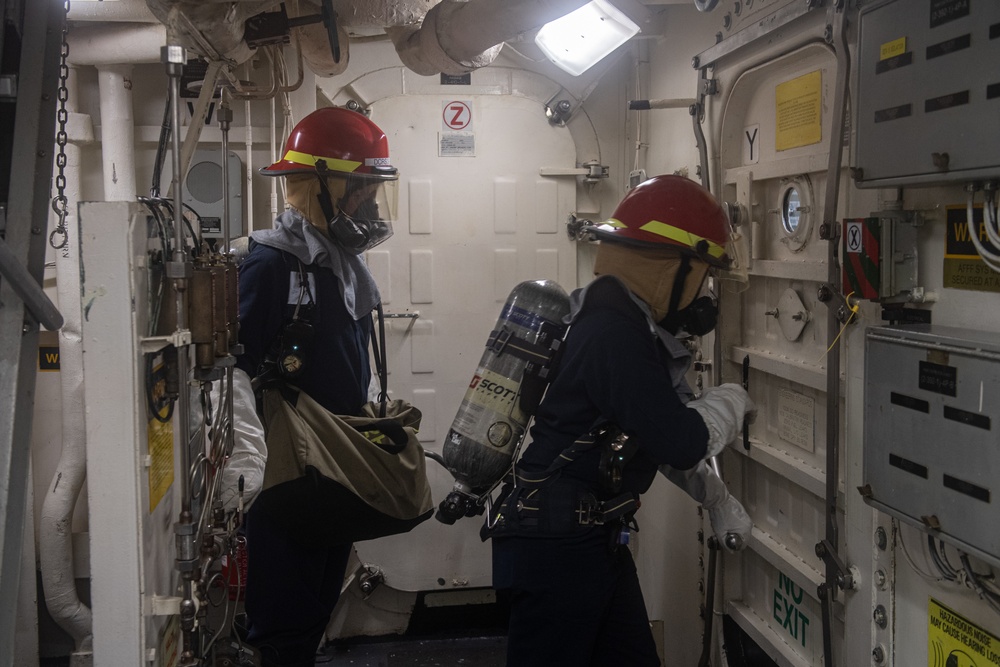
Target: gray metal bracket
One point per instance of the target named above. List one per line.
(26, 222)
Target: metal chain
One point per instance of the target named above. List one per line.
(58, 237)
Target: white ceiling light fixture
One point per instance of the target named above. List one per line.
(581, 38)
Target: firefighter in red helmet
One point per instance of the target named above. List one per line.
(306, 298)
(617, 410)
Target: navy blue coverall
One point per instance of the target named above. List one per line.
(296, 567)
(575, 600)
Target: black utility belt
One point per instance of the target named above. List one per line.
(558, 508)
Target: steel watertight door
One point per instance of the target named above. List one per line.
(774, 142)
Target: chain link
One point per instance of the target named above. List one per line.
(58, 237)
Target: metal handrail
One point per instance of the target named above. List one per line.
(30, 292)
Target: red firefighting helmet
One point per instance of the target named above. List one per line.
(671, 212)
(345, 140)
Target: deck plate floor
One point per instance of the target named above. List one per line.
(465, 651)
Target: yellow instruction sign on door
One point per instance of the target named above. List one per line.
(159, 439)
(798, 114)
(954, 640)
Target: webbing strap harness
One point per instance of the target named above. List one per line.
(504, 340)
(542, 360)
(590, 511)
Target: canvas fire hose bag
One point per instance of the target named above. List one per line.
(370, 471)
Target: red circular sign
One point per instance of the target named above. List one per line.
(457, 115)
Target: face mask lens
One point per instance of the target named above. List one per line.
(365, 216)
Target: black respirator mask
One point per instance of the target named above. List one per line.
(354, 233)
(359, 232)
(698, 318)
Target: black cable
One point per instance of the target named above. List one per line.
(383, 372)
(944, 557)
(197, 217)
(434, 456)
(989, 596)
(169, 205)
(946, 571)
(161, 149)
(160, 223)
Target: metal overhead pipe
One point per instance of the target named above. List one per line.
(179, 271)
(27, 289)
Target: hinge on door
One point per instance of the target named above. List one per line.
(592, 171)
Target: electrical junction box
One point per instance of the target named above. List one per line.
(932, 419)
(203, 192)
(928, 102)
(879, 257)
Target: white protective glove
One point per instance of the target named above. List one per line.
(730, 522)
(723, 409)
(249, 447)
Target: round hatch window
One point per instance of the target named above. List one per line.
(794, 207)
(791, 207)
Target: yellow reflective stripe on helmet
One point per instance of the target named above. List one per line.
(333, 164)
(681, 236)
(615, 223)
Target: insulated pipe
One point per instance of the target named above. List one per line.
(55, 544)
(458, 37)
(116, 43)
(117, 132)
(211, 29)
(124, 10)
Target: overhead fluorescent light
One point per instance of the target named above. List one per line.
(580, 39)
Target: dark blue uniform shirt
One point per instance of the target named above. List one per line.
(337, 369)
(615, 369)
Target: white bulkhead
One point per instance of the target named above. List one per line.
(856, 146)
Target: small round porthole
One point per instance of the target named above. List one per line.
(795, 202)
(791, 206)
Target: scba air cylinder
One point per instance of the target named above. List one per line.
(504, 392)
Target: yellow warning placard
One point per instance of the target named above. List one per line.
(159, 437)
(169, 653)
(954, 641)
(161, 460)
(798, 105)
(963, 267)
(896, 47)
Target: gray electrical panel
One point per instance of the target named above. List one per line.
(932, 432)
(928, 103)
(203, 192)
